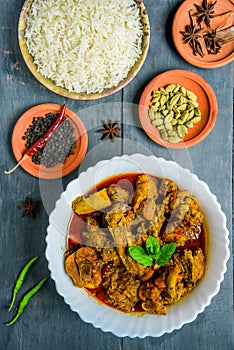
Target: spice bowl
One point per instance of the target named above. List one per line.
(206, 101)
(62, 168)
(213, 46)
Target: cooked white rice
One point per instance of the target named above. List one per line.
(84, 45)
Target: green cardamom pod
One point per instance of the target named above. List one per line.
(185, 116)
(183, 90)
(191, 114)
(158, 115)
(174, 100)
(193, 103)
(155, 108)
(163, 100)
(182, 130)
(184, 99)
(180, 121)
(191, 95)
(170, 88)
(174, 139)
(162, 90)
(156, 93)
(163, 135)
(182, 107)
(168, 118)
(157, 122)
(173, 121)
(197, 112)
(195, 120)
(173, 133)
(151, 114)
(177, 115)
(155, 99)
(177, 88)
(168, 106)
(168, 126)
(189, 124)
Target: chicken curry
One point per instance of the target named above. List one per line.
(123, 212)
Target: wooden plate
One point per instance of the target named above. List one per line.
(205, 97)
(49, 84)
(182, 19)
(71, 162)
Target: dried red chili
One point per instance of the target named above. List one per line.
(42, 141)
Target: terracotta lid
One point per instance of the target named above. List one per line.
(205, 98)
(71, 162)
(223, 18)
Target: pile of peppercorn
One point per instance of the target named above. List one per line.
(61, 144)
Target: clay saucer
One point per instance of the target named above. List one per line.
(71, 162)
(224, 17)
(205, 98)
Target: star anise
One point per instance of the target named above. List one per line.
(204, 12)
(29, 207)
(110, 130)
(192, 35)
(213, 44)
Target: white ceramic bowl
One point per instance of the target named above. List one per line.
(104, 317)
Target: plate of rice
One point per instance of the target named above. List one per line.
(84, 49)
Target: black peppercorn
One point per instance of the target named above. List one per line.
(60, 146)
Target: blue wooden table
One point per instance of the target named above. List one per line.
(48, 323)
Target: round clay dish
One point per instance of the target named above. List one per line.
(205, 98)
(182, 19)
(49, 84)
(71, 162)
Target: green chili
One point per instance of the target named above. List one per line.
(25, 300)
(20, 280)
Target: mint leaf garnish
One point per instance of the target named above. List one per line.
(152, 246)
(166, 253)
(139, 254)
(152, 252)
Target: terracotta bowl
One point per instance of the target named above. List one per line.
(81, 96)
(205, 97)
(182, 19)
(71, 162)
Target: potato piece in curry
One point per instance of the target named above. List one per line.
(121, 219)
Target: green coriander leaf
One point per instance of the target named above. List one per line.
(139, 254)
(152, 246)
(166, 253)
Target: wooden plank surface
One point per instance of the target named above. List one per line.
(48, 323)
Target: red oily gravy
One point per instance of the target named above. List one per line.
(78, 222)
